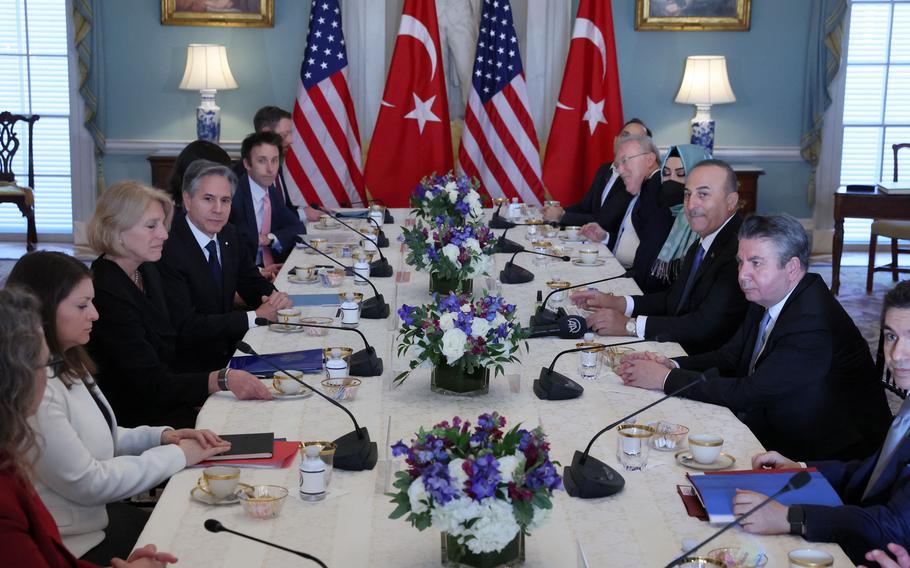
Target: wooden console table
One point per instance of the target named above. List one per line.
(747, 176)
(862, 205)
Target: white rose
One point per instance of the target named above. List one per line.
(453, 346)
(447, 321)
(481, 266)
(472, 244)
(453, 195)
(495, 528)
(450, 518)
(508, 467)
(451, 252)
(451, 186)
(473, 201)
(465, 308)
(479, 327)
(457, 474)
(417, 495)
(499, 320)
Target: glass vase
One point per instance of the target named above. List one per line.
(443, 286)
(456, 555)
(454, 380)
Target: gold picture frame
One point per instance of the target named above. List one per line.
(219, 13)
(692, 15)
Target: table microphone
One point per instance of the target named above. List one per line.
(363, 363)
(498, 222)
(214, 526)
(505, 245)
(355, 451)
(797, 481)
(378, 268)
(590, 478)
(568, 327)
(551, 385)
(511, 273)
(544, 316)
(381, 240)
(371, 308)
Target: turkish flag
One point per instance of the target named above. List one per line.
(588, 113)
(412, 138)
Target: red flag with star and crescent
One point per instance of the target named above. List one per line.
(412, 137)
(588, 112)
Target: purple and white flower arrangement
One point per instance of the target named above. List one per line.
(480, 484)
(460, 331)
(450, 251)
(446, 196)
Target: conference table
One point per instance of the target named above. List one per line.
(643, 525)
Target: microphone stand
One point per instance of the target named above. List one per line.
(543, 316)
(590, 478)
(355, 451)
(552, 385)
(505, 245)
(797, 481)
(511, 273)
(371, 308)
(363, 363)
(497, 222)
(378, 268)
(214, 526)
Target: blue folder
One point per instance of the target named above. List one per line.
(716, 490)
(308, 360)
(354, 214)
(315, 300)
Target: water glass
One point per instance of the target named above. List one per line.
(633, 447)
(589, 362)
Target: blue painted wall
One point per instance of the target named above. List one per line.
(144, 63)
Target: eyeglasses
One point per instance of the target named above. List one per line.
(622, 162)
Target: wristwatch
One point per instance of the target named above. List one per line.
(632, 327)
(271, 237)
(796, 516)
(223, 379)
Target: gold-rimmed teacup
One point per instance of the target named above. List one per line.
(588, 255)
(285, 384)
(318, 244)
(497, 201)
(706, 448)
(219, 481)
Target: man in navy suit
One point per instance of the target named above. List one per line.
(797, 371)
(267, 228)
(876, 490)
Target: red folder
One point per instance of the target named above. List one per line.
(283, 453)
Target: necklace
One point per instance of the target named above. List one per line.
(137, 278)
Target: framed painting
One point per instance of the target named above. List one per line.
(692, 15)
(233, 13)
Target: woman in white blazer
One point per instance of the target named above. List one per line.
(85, 463)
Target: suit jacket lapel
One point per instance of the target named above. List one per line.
(228, 271)
(197, 261)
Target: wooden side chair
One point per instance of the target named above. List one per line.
(890, 229)
(23, 196)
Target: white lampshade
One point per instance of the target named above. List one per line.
(207, 68)
(705, 81)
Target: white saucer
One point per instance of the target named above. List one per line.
(724, 461)
(568, 239)
(598, 262)
(281, 328)
(298, 280)
(322, 227)
(201, 496)
(305, 393)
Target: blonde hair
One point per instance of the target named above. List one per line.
(119, 209)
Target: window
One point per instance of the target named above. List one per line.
(876, 98)
(35, 80)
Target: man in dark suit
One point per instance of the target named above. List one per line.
(267, 228)
(704, 305)
(203, 265)
(647, 219)
(797, 372)
(605, 201)
(876, 490)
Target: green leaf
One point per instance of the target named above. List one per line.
(400, 511)
(523, 512)
(541, 501)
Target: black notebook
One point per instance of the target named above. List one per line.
(247, 446)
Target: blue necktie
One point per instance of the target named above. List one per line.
(896, 434)
(690, 281)
(214, 265)
(760, 340)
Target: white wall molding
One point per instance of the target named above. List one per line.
(737, 154)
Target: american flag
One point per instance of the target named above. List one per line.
(324, 158)
(499, 143)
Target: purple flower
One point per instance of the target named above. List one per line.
(438, 484)
(483, 476)
(544, 476)
(400, 449)
(406, 313)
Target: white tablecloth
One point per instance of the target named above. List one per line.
(641, 526)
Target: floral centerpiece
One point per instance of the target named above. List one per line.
(484, 487)
(463, 338)
(453, 254)
(446, 196)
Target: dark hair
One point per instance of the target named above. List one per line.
(731, 184)
(20, 349)
(202, 168)
(269, 117)
(787, 234)
(52, 276)
(639, 122)
(897, 298)
(258, 139)
(196, 150)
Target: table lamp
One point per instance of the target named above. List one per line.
(705, 83)
(207, 70)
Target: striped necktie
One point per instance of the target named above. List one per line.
(759, 340)
(896, 434)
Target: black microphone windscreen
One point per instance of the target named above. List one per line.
(799, 480)
(262, 321)
(566, 258)
(572, 327)
(212, 525)
(244, 347)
